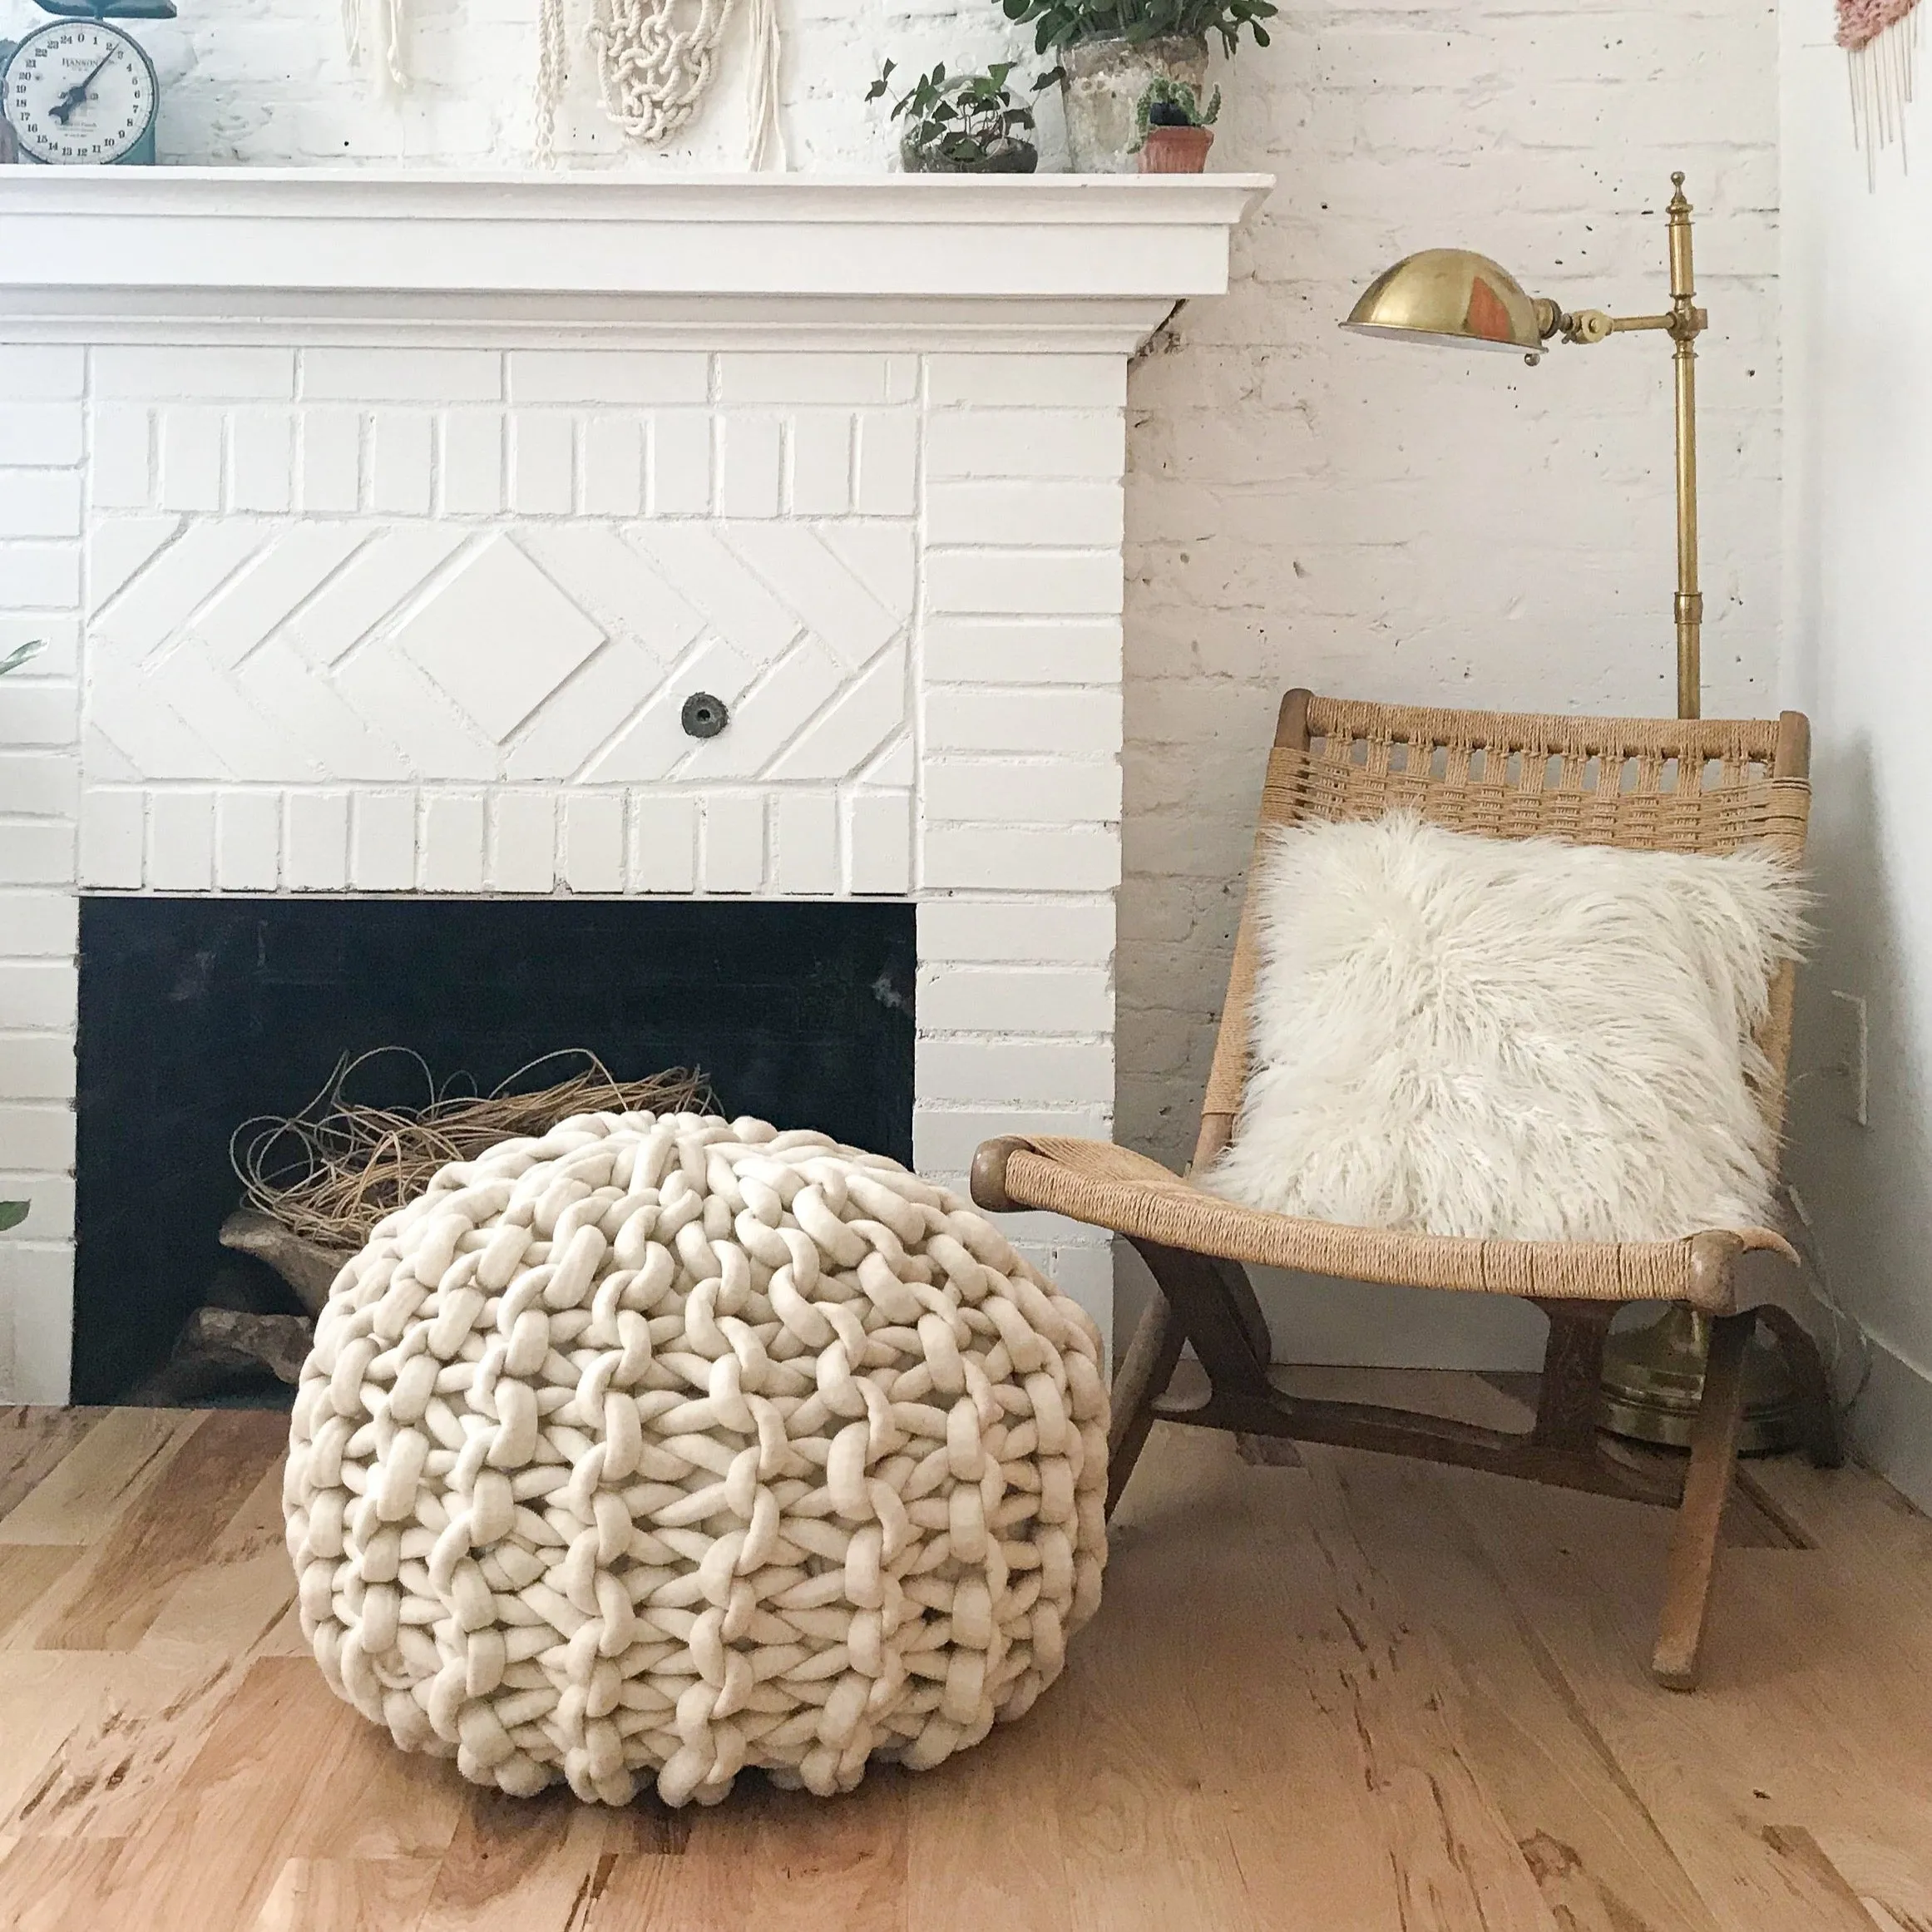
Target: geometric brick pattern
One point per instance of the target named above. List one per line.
(291, 651)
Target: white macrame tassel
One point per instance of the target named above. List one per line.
(553, 70)
(380, 21)
(1882, 70)
(766, 138)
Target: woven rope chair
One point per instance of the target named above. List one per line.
(1688, 785)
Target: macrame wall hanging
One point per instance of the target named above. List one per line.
(656, 61)
(1879, 38)
(373, 29)
(654, 64)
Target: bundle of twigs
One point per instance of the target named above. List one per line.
(334, 1170)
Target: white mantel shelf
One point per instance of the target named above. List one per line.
(239, 251)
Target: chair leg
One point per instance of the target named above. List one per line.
(1824, 1439)
(1139, 1383)
(1693, 1544)
(1570, 1394)
(1198, 1299)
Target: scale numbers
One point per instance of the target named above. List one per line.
(79, 91)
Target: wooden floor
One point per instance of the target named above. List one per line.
(1344, 1692)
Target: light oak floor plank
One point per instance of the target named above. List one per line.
(1339, 1693)
(166, 1534)
(1810, 1712)
(84, 1494)
(32, 1443)
(239, 1589)
(1281, 1757)
(114, 1770)
(44, 1700)
(1586, 1837)
(30, 1574)
(343, 1895)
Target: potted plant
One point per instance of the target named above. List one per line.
(963, 124)
(1110, 51)
(1176, 130)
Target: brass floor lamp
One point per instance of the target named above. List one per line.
(1653, 1375)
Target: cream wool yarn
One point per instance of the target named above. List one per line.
(677, 1444)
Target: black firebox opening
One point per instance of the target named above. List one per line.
(196, 1014)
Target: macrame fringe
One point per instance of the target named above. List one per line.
(766, 141)
(1881, 47)
(552, 69)
(654, 73)
(373, 29)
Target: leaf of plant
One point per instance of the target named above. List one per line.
(12, 1213)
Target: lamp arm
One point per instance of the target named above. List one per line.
(1590, 326)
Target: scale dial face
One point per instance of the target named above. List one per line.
(79, 91)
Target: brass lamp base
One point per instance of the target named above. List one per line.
(1653, 1379)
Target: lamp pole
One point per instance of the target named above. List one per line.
(1683, 322)
(1686, 319)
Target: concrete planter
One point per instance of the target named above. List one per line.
(1104, 82)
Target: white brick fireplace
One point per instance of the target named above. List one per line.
(379, 528)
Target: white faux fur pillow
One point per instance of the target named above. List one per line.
(1518, 1038)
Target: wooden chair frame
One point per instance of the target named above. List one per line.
(1680, 785)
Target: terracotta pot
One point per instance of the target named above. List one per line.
(1176, 150)
(1103, 82)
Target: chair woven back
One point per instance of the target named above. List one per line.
(1672, 784)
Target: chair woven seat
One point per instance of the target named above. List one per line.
(1111, 1186)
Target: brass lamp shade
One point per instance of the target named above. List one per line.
(1453, 294)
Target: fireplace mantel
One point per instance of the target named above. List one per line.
(379, 528)
(912, 260)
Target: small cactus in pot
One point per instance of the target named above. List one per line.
(1176, 130)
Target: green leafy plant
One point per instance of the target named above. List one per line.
(14, 1213)
(1060, 23)
(1169, 103)
(959, 118)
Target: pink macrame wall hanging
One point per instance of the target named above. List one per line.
(1879, 36)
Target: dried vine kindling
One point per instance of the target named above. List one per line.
(332, 1171)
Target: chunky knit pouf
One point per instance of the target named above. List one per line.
(677, 1444)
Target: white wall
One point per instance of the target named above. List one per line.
(1304, 507)
(1858, 307)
